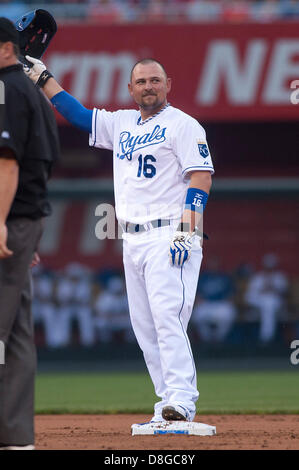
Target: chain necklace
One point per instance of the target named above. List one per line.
(140, 123)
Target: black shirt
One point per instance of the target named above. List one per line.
(30, 131)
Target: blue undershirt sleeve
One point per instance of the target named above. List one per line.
(73, 111)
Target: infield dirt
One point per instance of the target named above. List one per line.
(113, 432)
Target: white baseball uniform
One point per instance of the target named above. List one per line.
(151, 162)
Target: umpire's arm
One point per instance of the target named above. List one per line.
(9, 178)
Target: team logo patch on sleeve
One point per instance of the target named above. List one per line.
(203, 148)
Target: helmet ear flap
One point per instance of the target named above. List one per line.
(36, 29)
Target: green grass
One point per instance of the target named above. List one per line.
(220, 392)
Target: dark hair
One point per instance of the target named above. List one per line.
(145, 62)
(8, 31)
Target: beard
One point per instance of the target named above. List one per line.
(150, 105)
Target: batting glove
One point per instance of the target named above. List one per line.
(38, 73)
(180, 248)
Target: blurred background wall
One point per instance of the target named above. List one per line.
(235, 68)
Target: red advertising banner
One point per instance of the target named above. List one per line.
(219, 72)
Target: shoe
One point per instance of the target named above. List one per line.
(12, 447)
(175, 413)
(155, 419)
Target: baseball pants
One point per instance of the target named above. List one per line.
(16, 331)
(161, 299)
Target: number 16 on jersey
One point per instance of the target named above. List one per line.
(144, 167)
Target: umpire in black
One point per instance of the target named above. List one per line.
(28, 147)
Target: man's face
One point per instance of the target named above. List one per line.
(149, 86)
(6, 54)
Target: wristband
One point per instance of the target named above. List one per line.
(43, 78)
(196, 200)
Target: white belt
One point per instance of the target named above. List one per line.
(129, 227)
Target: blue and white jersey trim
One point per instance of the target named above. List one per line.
(94, 128)
(198, 167)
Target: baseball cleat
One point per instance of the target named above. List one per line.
(175, 413)
(155, 419)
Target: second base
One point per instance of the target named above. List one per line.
(173, 427)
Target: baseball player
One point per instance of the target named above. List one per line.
(162, 178)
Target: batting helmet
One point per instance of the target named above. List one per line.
(36, 29)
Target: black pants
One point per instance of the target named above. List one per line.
(16, 331)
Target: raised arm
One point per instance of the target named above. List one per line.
(70, 108)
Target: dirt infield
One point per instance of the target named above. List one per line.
(113, 432)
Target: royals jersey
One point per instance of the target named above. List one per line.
(151, 160)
